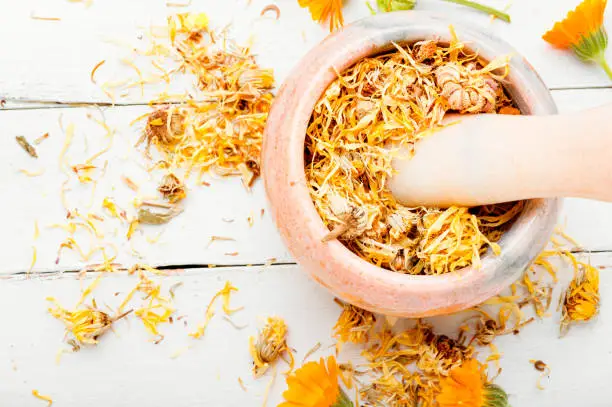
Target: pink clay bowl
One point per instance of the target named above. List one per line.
(331, 264)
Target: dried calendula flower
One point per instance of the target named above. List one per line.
(271, 7)
(540, 367)
(467, 91)
(86, 325)
(353, 324)
(27, 147)
(353, 219)
(467, 386)
(165, 126)
(486, 331)
(110, 205)
(172, 188)
(157, 309)
(270, 344)
(580, 303)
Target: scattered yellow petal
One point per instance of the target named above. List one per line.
(48, 399)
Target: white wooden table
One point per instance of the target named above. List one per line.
(44, 74)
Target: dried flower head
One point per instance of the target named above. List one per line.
(580, 303)
(353, 220)
(315, 384)
(165, 126)
(172, 188)
(466, 90)
(353, 324)
(86, 325)
(425, 50)
(270, 344)
(486, 331)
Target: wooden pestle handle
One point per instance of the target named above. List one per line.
(488, 159)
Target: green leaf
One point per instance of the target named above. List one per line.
(495, 396)
(395, 5)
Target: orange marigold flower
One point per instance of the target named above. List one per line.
(323, 10)
(315, 385)
(582, 31)
(466, 386)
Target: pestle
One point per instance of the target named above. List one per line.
(485, 159)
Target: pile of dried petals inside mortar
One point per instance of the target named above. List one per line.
(396, 99)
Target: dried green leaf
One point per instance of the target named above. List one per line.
(26, 146)
(149, 217)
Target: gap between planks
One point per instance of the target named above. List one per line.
(32, 104)
(174, 267)
(214, 267)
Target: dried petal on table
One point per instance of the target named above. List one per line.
(157, 308)
(110, 205)
(41, 138)
(131, 184)
(540, 367)
(271, 7)
(42, 397)
(354, 324)
(225, 293)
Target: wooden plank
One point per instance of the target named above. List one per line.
(127, 368)
(207, 370)
(68, 49)
(222, 209)
(186, 239)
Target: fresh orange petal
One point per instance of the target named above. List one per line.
(323, 10)
(579, 23)
(313, 385)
